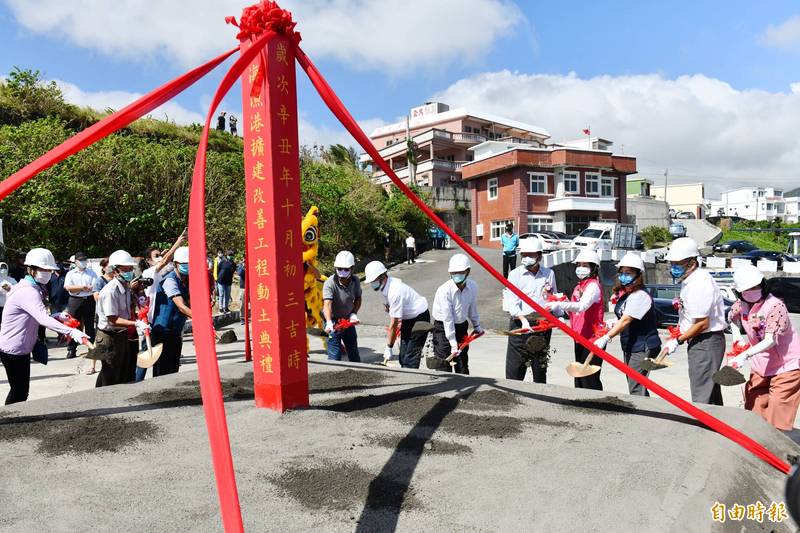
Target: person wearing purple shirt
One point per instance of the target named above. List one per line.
(23, 313)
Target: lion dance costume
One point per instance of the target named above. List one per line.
(311, 275)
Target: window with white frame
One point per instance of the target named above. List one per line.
(538, 183)
(497, 229)
(592, 184)
(606, 187)
(571, 182)
(491, 188)
(537, 223)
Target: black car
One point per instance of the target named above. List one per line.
(663, 297)
(755, 255)
(788, 290)
(734, 247)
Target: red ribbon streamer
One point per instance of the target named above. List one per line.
(335, 105)
(109, 125)
(202, 325)
(737, 348)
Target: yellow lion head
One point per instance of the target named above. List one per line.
(310, 228)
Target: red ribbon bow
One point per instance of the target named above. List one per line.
(674, 332)
(343, 324)
(600, 330)
(262, 17)
(557, 297)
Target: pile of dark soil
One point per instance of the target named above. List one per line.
(342, 486)
(343, 380)
(490, 399)
(188, 392)
(413, 444)
(426, 410)
(610, 404)
(79, 435)
(728, 376)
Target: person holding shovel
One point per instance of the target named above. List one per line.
(636, 319)
(171, 311)
(456, 301)
(23, 313)
(585, 310)
(341, 297)
(403, 304)
(701, 319)
(773, 390)
(528, 348)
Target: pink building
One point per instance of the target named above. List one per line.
(442, 139)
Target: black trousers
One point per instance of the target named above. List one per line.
(410, 255)
(112, 349)
(170, 360)
(589, 382)
(84, 310)
(412, 342)
(18, 370)
(509, 264)
(518, 357)
(442, 348)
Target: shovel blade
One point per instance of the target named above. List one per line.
(146, 359)
(577, 370)
(651, 364)
(727, 376)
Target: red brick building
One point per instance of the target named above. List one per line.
(560, 187)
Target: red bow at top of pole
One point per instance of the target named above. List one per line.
(265, 16)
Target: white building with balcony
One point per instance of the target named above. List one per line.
(751, 203)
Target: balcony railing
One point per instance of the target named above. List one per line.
(425, 166)
(470, 138)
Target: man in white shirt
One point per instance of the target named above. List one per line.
(701, 319)
(411, 249)
(79, 283)
(6, 282)
(407, 309)
(456, 301)
(538, 282)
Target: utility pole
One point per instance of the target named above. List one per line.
(666, 179)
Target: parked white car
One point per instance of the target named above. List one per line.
(549, 243)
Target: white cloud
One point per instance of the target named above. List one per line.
(311, 134)
(102, 100)
(785, 35)
(701, 127)
(393, 35)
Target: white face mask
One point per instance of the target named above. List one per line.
(529, 262)
(43, 276)
(81, 265)
(583, 272)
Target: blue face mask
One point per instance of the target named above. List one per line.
(126, 276)
(183, 269)
(458, 279)
(677, 271)
(376, 285)
(625, 279)
(343, 273)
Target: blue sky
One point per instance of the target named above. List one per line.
(639, 72)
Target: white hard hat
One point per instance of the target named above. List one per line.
(632, 260)
(587, 256)
(682, 248)
(120, 258)
(531, 244)
(344, 259)
(373, 271)
(458, 263)
(41, 258)
(746, 277)
(181, 255)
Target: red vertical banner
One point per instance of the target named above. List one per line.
(274, 242)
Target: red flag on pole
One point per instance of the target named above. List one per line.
(587, 131)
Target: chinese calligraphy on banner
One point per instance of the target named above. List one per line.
(274, 259)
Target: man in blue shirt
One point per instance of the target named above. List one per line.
(171, 311)
(510, 242)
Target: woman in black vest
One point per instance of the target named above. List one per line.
(637, 319)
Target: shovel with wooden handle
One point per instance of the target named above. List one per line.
(658, 363)
(148, 357)
(581, 370)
